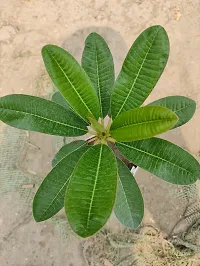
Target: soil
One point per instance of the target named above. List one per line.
(26, 26)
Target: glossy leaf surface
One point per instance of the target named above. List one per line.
(141, 123)
(67, 149)
(97, 61)
(49, 198)
(141, 70)
(129, 205)
(182, 106)
(59, 99)
(71, 81)
(162, 158)
(91, 192)
(37, 114)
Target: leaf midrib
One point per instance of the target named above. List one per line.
(70, 82)
(141, 123)
(178, 110)
(155, 156)
(41, 117)
(55, 198)
(94, 188)
(70, 152)
(126, 199)
(49, 205)
(175, 111)
(138, 73)
(70, 108)
(98, 80)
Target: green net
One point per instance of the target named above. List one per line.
(11, 177)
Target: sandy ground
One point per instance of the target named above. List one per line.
(27, 25)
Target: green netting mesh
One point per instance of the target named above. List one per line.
(186, 233)
(11, 177)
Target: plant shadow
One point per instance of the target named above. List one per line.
(75, 44)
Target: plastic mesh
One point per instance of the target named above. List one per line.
(186, 233)
(12, 178)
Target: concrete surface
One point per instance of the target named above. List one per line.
(27, 25)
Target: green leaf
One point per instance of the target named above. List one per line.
(141, 70)
(97, 62)
(129, 205)
(37, 114)
(71, 80)
(96, 125)
(162, 158)
(49, 198)
(141, 123)
(182, 106)
(67, 149)
(59, 99)
(91, 192)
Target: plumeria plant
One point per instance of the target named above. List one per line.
(90, 178)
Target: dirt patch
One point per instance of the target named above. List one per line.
(148, 246)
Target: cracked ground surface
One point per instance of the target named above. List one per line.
(27, 25)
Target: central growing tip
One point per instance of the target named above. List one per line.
(100, 131)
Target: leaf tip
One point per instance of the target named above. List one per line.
(35, 215)
(159, 27)
(175, 118)
(93, 35)
(47, 48)
(36, 218)
(44, 48)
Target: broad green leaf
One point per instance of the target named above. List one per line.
(67, 149)
(49, 198)
(129, 205)
(37, 114)
(91, 192)
(96, 125)
(141, 70)
(182, 106)
(71, 81)
(141, 123)
(59, 99)
(162, 158)
(97, 62)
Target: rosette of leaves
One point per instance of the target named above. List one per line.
(87, 178)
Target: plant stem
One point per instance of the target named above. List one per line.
(121, 157)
